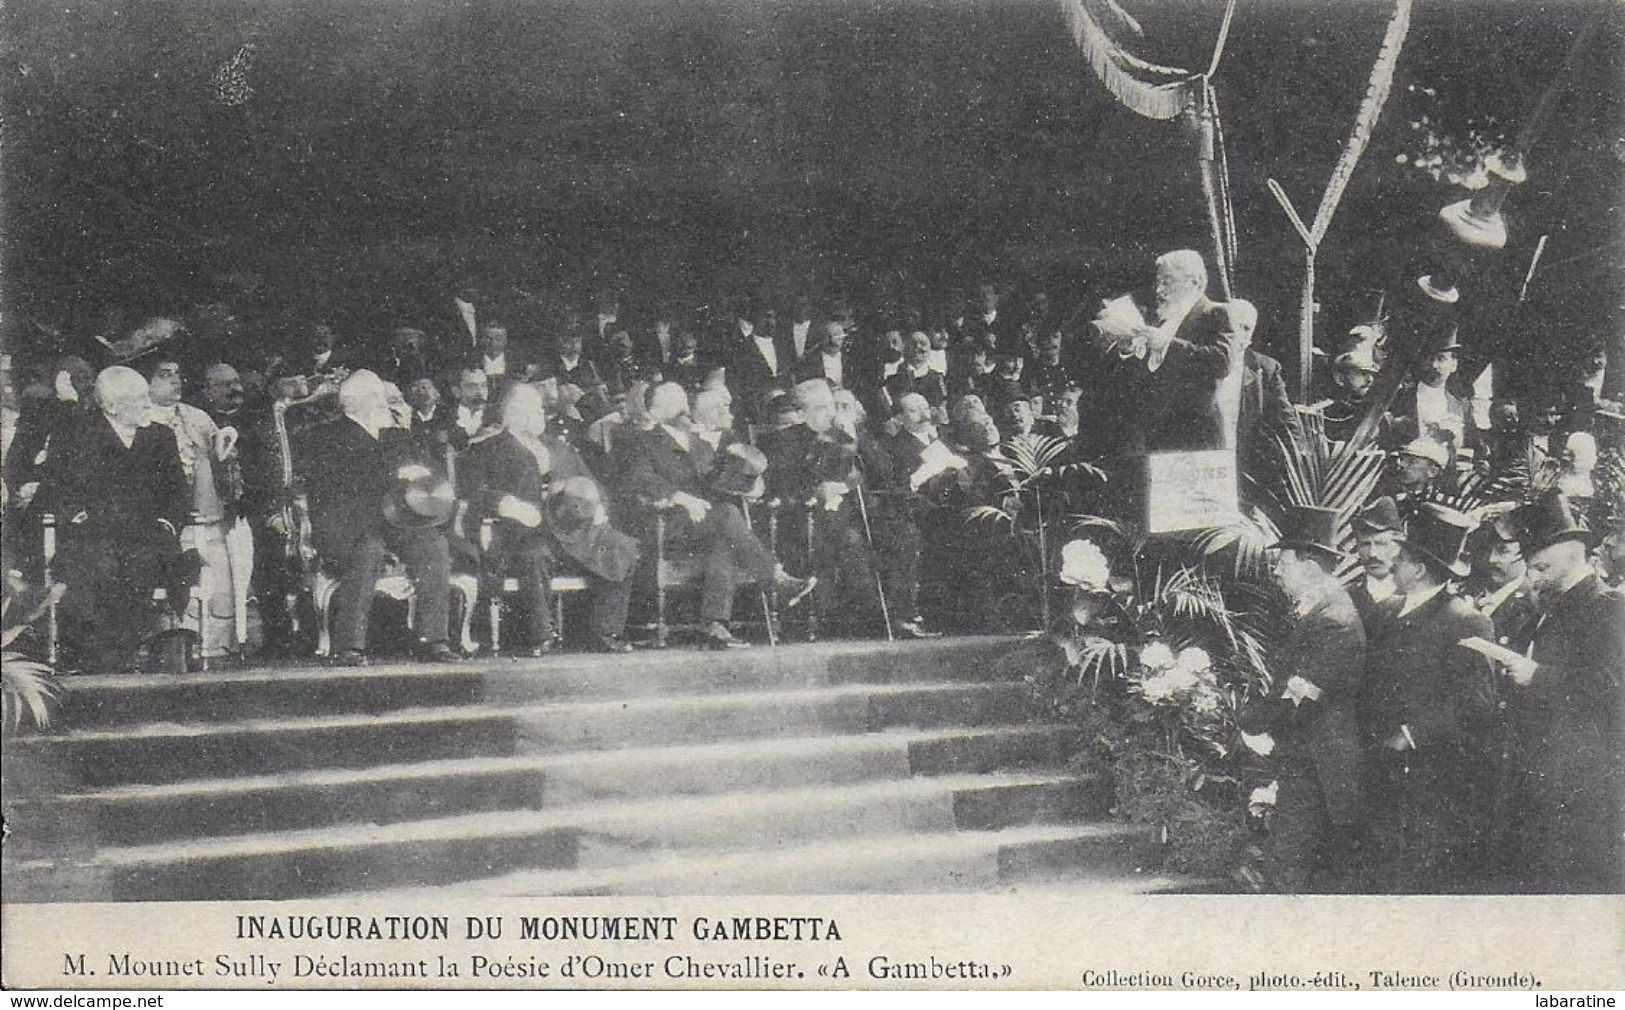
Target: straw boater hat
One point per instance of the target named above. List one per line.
(1439, 534)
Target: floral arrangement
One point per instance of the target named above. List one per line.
(1156, 667)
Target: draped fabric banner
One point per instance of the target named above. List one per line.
(1150, 89)
(1162, 92)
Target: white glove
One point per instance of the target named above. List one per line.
(25, 494)
(412, 471)
(696, 507)
(520, 511)
(1261, 744)
(1299, 690)
(830, 492)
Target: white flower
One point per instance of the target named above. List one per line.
(1157, 656)
(1205, 700)
(1263, 799)
(1158, 689)
(1083, 564)
(1261, 744)
(1193, 660)
(1180, 680)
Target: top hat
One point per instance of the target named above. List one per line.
(420, 502)
(1549, 520)
(1441, 342)
(1439, 535)
(740, 471)
(1310, 528)
(1380, 516)
(573, 506)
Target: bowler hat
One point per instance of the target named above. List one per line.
(1548, 520)
(1380, 516)
(1310, 528)
(420, 502)
(1439, 534)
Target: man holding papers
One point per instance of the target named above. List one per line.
(1563, 808)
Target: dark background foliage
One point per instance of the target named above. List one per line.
(385, 153)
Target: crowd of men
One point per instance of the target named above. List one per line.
(225, 475)
(852, 445)
(1453, 720)
(824, 461)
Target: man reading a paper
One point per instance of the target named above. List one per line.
(1167, 375)
(1563, 705)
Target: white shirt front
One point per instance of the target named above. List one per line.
(496, 367)
(1433, 411)
(1380, 589)
(798, 336)
(469, 420)
(1413, 601)
(832, 367)
(769, 353)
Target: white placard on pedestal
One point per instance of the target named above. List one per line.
(1190, 490)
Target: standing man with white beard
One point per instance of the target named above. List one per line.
(1171, 370)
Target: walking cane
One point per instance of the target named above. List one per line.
(767, 609)
(880, 585)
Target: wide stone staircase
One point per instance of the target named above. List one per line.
(803, 769)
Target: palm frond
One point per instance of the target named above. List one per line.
(27, 686)
(988, 513)
(1102, 657)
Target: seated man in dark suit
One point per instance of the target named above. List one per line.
(121, 497)
(848, 481)
(537, 489)
(350, 472)
(669, 465)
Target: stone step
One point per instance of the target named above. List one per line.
(1121, 858)
(172, 752)
(108, 701)
(354, 857)
(146, 813)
